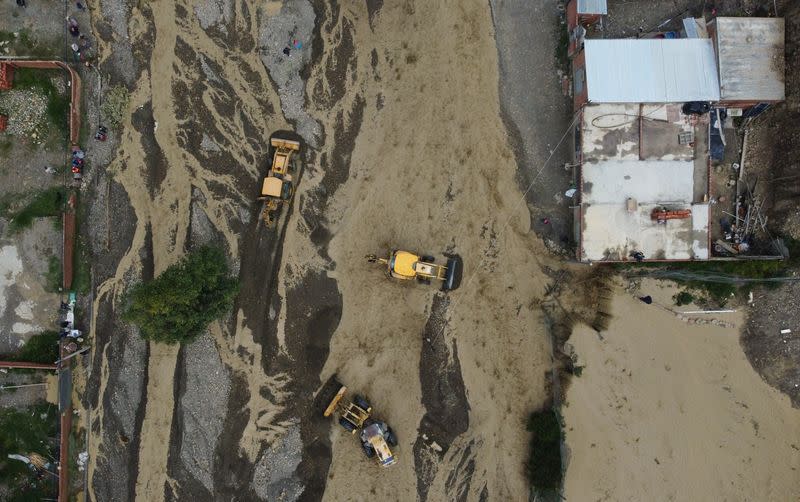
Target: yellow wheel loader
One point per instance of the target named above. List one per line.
(406, 265)
(356, 417)
(277, 187)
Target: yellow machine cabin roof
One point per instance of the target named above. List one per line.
(280, 162)
(271, 187)
(403, 263)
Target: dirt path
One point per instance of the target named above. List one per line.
(423, 176)
(675, 409)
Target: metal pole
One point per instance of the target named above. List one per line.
(82, 351)
(726, 311)
(4, 387)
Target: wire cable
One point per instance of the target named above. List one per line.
(511, 215)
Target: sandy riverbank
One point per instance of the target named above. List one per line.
(673, 409)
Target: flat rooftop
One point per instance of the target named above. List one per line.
(647, 181)
(615, 131)
(633, 166)
(612, 233)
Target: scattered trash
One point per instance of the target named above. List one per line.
(786, 332)
(101, 134)
(646, 299)
(83, 459)
(571, 192)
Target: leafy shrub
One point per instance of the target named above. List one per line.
(179, 304)
(115, 105)
(31, 430)
(683, 298)
(54, 278)
(41, 348)
(544, 464)
(46, 203)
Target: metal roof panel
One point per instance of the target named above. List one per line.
(651, 71)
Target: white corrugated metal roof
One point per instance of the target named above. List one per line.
(751, 58)
(651, 71)
(592, 7)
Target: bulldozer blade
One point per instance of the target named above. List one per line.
(285, 143)
(329, 396)
(452, 279)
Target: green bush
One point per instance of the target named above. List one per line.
(41, 348)
(115, 105)
(683, 298)
(46, 203)
(54, 279)
(544, 463)
(179, 304)
(23, 432)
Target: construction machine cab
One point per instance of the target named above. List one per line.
(277, 187)
(375, 439)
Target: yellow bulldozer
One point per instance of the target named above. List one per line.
(277, 187)
(406, 265)
(355, 416)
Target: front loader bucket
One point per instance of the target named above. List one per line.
(329, 396)
(453, 278)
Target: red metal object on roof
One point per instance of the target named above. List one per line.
(662, 215)
(6, 76)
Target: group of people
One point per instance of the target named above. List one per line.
(77, 161)
(68, 324)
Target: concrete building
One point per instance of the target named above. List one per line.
(636, 161)
(645, 190)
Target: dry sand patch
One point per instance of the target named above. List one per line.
(668, 408)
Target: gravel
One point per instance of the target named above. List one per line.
(128, 385)
(209, 73)
(536, 120)
(295, 22)
(203, 408)
(208, 144)
(26, 111)
(274, 478)
(115, 13)
(213, 12)
(202, 228)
